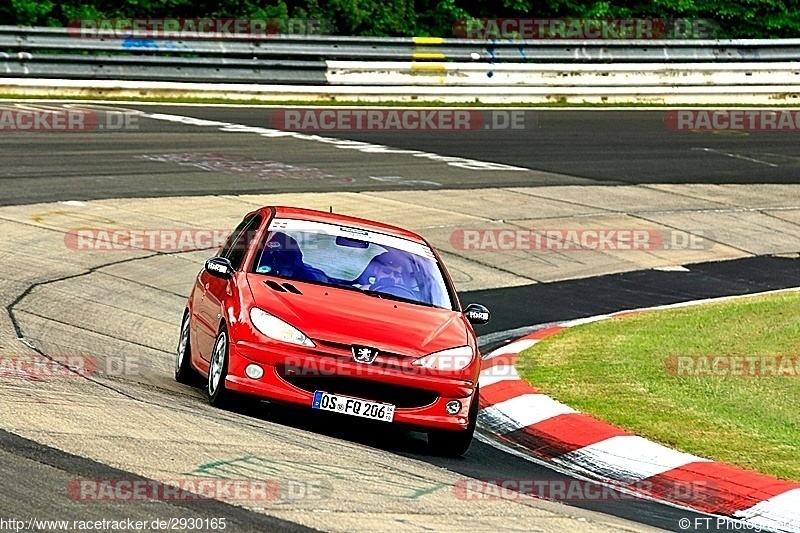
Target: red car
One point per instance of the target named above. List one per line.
(339, 314)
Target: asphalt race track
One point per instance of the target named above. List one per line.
(48, 470)
(159, 156)
(568, 300)
(561, 147)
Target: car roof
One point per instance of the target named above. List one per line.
(335, 218)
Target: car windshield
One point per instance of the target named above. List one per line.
(352, 258)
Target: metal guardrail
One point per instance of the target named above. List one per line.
(53, 53)
(407, 48)
(564, 75)
(160, 68)
(60, 53)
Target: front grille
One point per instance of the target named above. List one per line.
(402, 397)
(389, 360)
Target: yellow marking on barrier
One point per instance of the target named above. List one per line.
(427, 55)
(437, 68)
(428, 40)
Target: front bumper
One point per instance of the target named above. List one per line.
(292, 374)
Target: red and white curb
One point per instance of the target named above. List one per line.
(516, 412)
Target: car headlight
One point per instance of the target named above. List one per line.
(451, 359)
(275, 328)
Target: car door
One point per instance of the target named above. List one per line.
(209, 310)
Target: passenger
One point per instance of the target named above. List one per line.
(282, 257)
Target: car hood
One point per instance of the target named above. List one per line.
(346, 317)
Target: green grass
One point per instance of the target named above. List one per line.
(617, 370)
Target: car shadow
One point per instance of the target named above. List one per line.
(482, 461)
(381, 435)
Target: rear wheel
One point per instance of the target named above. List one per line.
(218, 395)
(184, 373)
(455, 443)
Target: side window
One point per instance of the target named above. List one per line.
(239, 241)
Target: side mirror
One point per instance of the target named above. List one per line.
(477, 314)
(220, 267)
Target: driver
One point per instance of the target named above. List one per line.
(387, 269)
(282, 257)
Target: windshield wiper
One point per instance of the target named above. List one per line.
(375, 293)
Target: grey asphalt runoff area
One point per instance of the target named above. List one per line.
(121, 307)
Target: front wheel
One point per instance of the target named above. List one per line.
(455, 443)
(184, 373)
(218, 395)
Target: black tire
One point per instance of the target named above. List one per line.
(455, 443)
(218, 395)
(184, 372)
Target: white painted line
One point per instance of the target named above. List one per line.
(581, 321)
(523, 411)
(630, 458)
(514, 333)
(513, 347)
(523, 453)
(674, 268)
(403, 181)
(364, 147)
(736, 156)
(779, 513)
(692, 303)
(497, 374)
(627, 458)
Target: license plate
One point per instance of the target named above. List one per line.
(347, 405)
